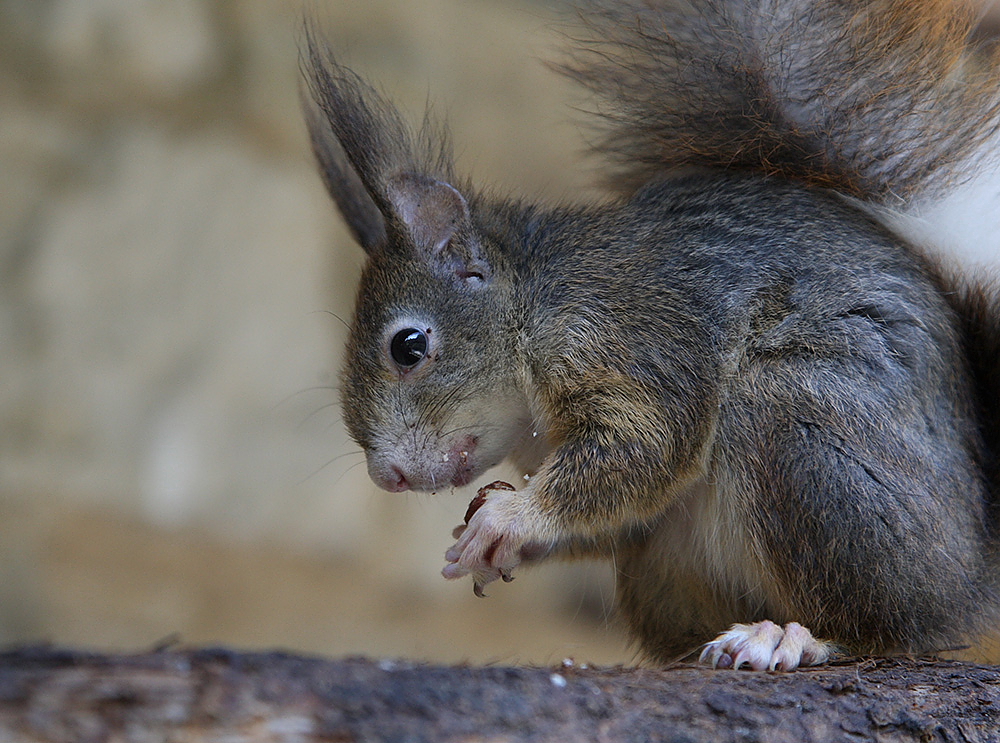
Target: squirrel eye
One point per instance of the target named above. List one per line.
(408, 347)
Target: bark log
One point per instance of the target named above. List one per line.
(217, 695)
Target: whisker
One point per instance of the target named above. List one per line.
(342, 474)
(437, 405)
(319, 410)
(331, 461)
(454, 399)
(473, 427)
(288, 398)
(334, 315)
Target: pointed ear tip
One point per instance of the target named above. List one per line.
(317, 60)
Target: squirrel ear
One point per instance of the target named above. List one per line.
(437, 217)
(343, 183)
(378, 171)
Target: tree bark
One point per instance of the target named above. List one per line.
(217, 695)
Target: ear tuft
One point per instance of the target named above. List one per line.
(360, 140)
(383, 176)
(343, 183)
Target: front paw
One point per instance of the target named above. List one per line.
(494, 539)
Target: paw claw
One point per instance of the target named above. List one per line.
(766, 646)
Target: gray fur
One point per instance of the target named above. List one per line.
(760, 402)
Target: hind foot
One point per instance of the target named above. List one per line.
(764, 646)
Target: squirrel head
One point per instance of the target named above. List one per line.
(430, 383)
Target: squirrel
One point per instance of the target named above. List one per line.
(745, 376)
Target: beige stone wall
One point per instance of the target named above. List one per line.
(171, 453)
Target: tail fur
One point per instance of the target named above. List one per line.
(878, 99)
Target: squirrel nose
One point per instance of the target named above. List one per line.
(397, 481)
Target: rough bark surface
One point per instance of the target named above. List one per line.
(196, 696)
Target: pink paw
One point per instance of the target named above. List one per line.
(489, 544)
(766, 646)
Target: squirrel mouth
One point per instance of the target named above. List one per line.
(461, 478)
(454, 467)
(460, 457)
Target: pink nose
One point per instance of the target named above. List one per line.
(396, 482)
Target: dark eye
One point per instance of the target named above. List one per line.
(408, 347)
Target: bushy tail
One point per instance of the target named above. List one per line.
(879, 99)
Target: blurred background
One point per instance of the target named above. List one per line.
(172, 460)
